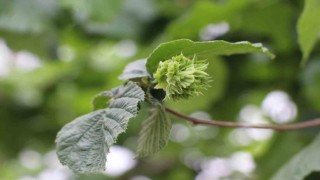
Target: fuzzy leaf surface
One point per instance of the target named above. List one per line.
(136, 69)
(155, 131)
(83, 144)
(203, 50)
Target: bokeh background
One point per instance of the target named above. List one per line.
(55, 55)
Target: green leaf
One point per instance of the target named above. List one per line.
(155, 132)
(309, 27)
(202, 13)
(302, 164)
(203, 50)
(83, 144)
(136, 69)
(310, 83)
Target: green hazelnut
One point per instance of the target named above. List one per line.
(181, 77)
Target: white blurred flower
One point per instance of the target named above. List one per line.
(30, 159)
(223, 168)
(179, 133)
(26, 61)
(242, 162)
(126, 48)
(55, 174)
(260, 134)
(21, 61)
(278, 105)
(6, 57)
(252, 114)
(214, 169)
(119, 161)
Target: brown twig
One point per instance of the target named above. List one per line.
(284, 127)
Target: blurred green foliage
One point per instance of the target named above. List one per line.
(309, 27)
(56, 55)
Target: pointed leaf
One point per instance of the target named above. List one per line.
(301, 165)
(203, 50)
(155, 131)
(136, 69)
(84, 143)
(309, 27)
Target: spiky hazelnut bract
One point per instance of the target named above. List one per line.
(181, 77)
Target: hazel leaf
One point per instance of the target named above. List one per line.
(136, 69)
(302, 164)
(83, 144)
(202, 50)
(155, 131)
